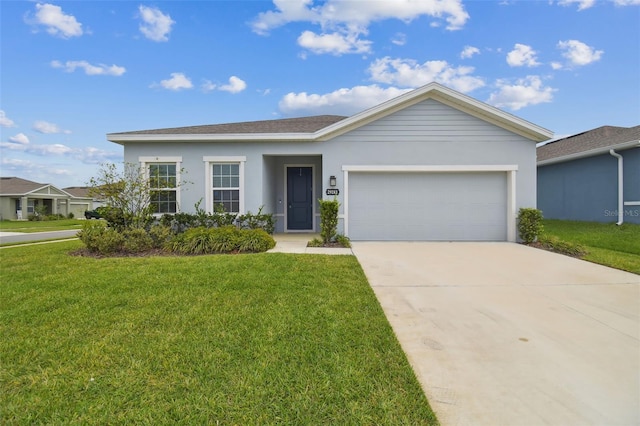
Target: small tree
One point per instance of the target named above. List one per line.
(529, 224)
(126, 194)
(328, 220)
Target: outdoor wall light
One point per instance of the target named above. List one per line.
(332, 181)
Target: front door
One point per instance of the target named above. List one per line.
(299, 198)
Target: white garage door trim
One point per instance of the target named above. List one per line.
(509, 169)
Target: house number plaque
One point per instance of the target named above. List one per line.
(333, 191)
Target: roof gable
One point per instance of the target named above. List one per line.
(322, 128)
(589, 143)
(20, 187)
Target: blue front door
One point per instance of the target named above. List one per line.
(299, 198)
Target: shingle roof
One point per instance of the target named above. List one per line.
(16, 185)
(78, 191)
(602, 137)
(285, 125)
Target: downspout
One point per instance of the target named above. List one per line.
(620, 187)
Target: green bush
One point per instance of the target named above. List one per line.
(160, 235)
(328, 219)
(529, 224)
(99, 239)
(259, 220)
(316, 242)
(343, 240)
(255, 241)
(136, 241)
(226, 239)
(560, 246)
(70, 215)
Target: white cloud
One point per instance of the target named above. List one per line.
(626, 2)
(87, 155)
(6, 121)
(334, 43)
(207, 86)
(155, 25)
(400, 39)
(235, 85)
(582, 4)
(522, 55)
(409, 73)
(46, 127)
(578, 53)
(526, 91)
(56, 21)
(100, 69)
(343, 22)
(20, 138)
(556, 65)
(360, 14)
(469, 51)
(343, 101)
(178, 81)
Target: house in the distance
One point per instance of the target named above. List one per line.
(592, 176)
(20, 198)
(431, 164)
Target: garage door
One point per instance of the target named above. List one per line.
(456, 206)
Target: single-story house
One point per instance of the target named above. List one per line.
(431, 164)
(20, 198)
(84, 192)
(592, 176)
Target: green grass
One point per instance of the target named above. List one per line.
(40, 226)
(246, 339)
(606, 243)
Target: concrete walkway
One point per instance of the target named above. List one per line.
(297, 243)
(504, 334)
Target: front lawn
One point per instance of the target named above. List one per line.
(225, 339)
(40, 226)
(606, 243)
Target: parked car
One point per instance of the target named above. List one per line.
(92, 214)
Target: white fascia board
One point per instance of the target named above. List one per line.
(217, 137)
(431, 169)
(590, 153)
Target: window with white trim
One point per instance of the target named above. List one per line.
(163, 185)
(164, 178)
(225, 183)
(226, 187)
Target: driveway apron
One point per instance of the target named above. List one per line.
(504, 334)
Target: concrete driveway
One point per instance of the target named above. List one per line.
(504, 334)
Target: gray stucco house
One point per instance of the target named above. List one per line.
(431, 164)
(592, 176)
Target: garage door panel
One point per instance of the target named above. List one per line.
(427, 206)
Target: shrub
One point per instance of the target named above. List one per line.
(70, 215)
(529, 224)
(560, 246)
(343, 240)
(136, 241)
(160, 235)
(316, 242)
(226, 239)
(99, 239)
(255, 241)
(193, 241)
(259, 220)
(328, 219)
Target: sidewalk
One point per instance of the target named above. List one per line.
(297, 243)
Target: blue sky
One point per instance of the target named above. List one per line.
(71, 72)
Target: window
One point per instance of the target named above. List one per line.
(226, 187)
(225, 183)
(162, 180)
(164, 177)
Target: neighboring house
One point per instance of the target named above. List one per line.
(592, 176)
(84, 192)
(432, 164)
(20, 198)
